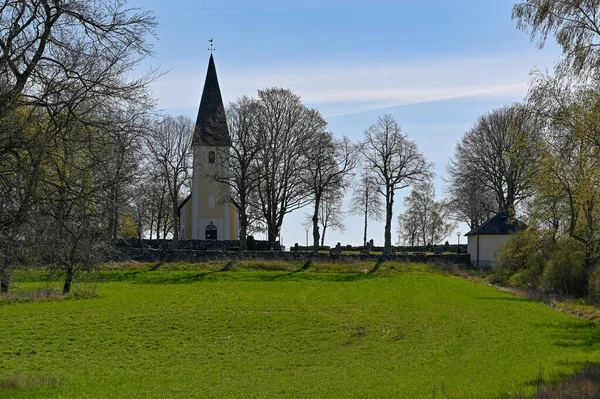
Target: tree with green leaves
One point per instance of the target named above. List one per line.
(575, 24)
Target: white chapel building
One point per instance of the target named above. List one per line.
(207, 214)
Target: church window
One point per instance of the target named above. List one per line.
(211, 201)
(211, 157)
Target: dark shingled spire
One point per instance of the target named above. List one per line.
(211, 124)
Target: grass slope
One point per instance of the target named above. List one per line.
(186, 333)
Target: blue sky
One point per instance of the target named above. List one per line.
(434, 65)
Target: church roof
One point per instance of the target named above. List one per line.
(502, 223)
(211, 123)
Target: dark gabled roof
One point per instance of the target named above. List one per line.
(211, 123)
(502, 223)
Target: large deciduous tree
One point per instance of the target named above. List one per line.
(67, 66)
(327, 163)
(498, 155)
(575, 24)
(85, 46)
(470, 201)
(286, 129)
(396, 163)
(568, 185)
(170, 146)
(243, 174)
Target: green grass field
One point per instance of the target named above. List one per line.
(190, 331)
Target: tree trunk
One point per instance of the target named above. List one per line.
(68, 280)
(323, 236)
(387, 249)
(158, 224)
(315, 220)
(243, 231)
(4, 279)
(365, 232)
(272, 233)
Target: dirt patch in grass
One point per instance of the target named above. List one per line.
(19, 382)
(46, 295)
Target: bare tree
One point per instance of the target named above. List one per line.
(396, 163)
(366, 200)
(286, 128)
(242, 178)
(574, 23)
(170, 146)
(500, 153)
(21, 158)
(69, 65)
(331, 215)
(328, 163)
(408, 228)
(91, 45)
(424, 218)
(118, 153)
(470, 201)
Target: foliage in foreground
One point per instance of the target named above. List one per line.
(532, 259)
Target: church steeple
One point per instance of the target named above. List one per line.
(211, 123)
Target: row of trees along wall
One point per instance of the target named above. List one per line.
(539, 159)
(85, 160)
(283, 158)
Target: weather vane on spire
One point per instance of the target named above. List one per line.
(211, 49)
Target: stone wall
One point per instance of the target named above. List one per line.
(196, 245)
(187, 255)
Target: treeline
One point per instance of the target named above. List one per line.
(85, 159)
(540, 160)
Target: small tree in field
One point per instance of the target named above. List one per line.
(366, 200)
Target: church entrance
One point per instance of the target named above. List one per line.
(211, 232)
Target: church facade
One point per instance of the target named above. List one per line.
(207, 214)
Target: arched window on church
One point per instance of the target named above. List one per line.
(211, 232)
(211, 157)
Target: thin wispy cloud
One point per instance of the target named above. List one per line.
(338, 89)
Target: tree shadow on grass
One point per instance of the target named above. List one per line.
(156, 267)
(506, 298)
(165, 277)
(583, 335)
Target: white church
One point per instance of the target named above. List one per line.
(207, 213)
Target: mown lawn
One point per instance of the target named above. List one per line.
(201, 333)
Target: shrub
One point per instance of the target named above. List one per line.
(593, 290)
(564, 271)
(520, 260)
